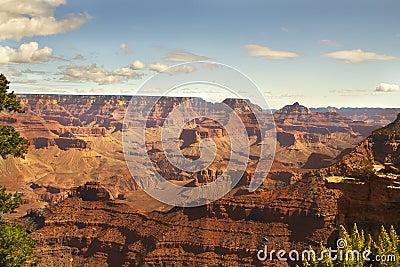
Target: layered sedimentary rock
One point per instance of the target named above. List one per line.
(369, 178)
(314, 139)
(75, 139)
(228, 232)
(103, 223)
(91, 191)
(377, 117)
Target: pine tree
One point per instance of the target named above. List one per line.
(11, 142)
(386, 245)
(16, 247)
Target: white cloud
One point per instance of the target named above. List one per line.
(98, 74)
(328, 42)
(184, 56)
(125, 47)
(25, 53)
(256, 50)
(181, 69)
(158, 67)
(138, 65)
(161, 67)
(357, 56)
(385, 87)
(26, 18)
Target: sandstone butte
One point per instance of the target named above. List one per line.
(82, 205)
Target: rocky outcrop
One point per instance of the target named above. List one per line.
(91, 191)
(304, 135)
(294, 110)
(43, 142)
(81, 131)
(377, 117)
(77, 138)
(386, 142)
(317, 161)
(87, 225)
(67, 143)
(227, 232)
(285, 139)
(370, 184)
(6, 119)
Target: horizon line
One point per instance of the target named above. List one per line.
(132, 95)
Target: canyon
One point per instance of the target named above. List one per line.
(75, 139)
(84, 208)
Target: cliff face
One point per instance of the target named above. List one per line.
(228, 232)
(111, 223)
(103, 111)
(377, 117)
(386, 142)
(313, 140)
(369, 178)
(75, 139)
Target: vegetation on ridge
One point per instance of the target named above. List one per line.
(16, 247)
(358, 250)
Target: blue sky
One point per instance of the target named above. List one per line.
(320, 53)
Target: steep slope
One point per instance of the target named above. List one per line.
(369, 178)
(313, 140)
(75, 139)
(228, 232)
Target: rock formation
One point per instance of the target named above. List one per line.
(76, 139)
(369, 179)
(110, 223)
(309, 139)
(227, 232)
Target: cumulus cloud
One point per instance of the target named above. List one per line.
(161, 67)
(138, 65)
(26, 18)
(181, 69)
(98, 75)
(125, 47)
(255, 50)
(385, 87)
(357, 56)
(184, 56)
(158, 67)
(328, 42)
(25, 53)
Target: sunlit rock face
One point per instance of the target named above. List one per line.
(313, 140)
(369, 177)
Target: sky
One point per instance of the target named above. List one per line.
(319, 53)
